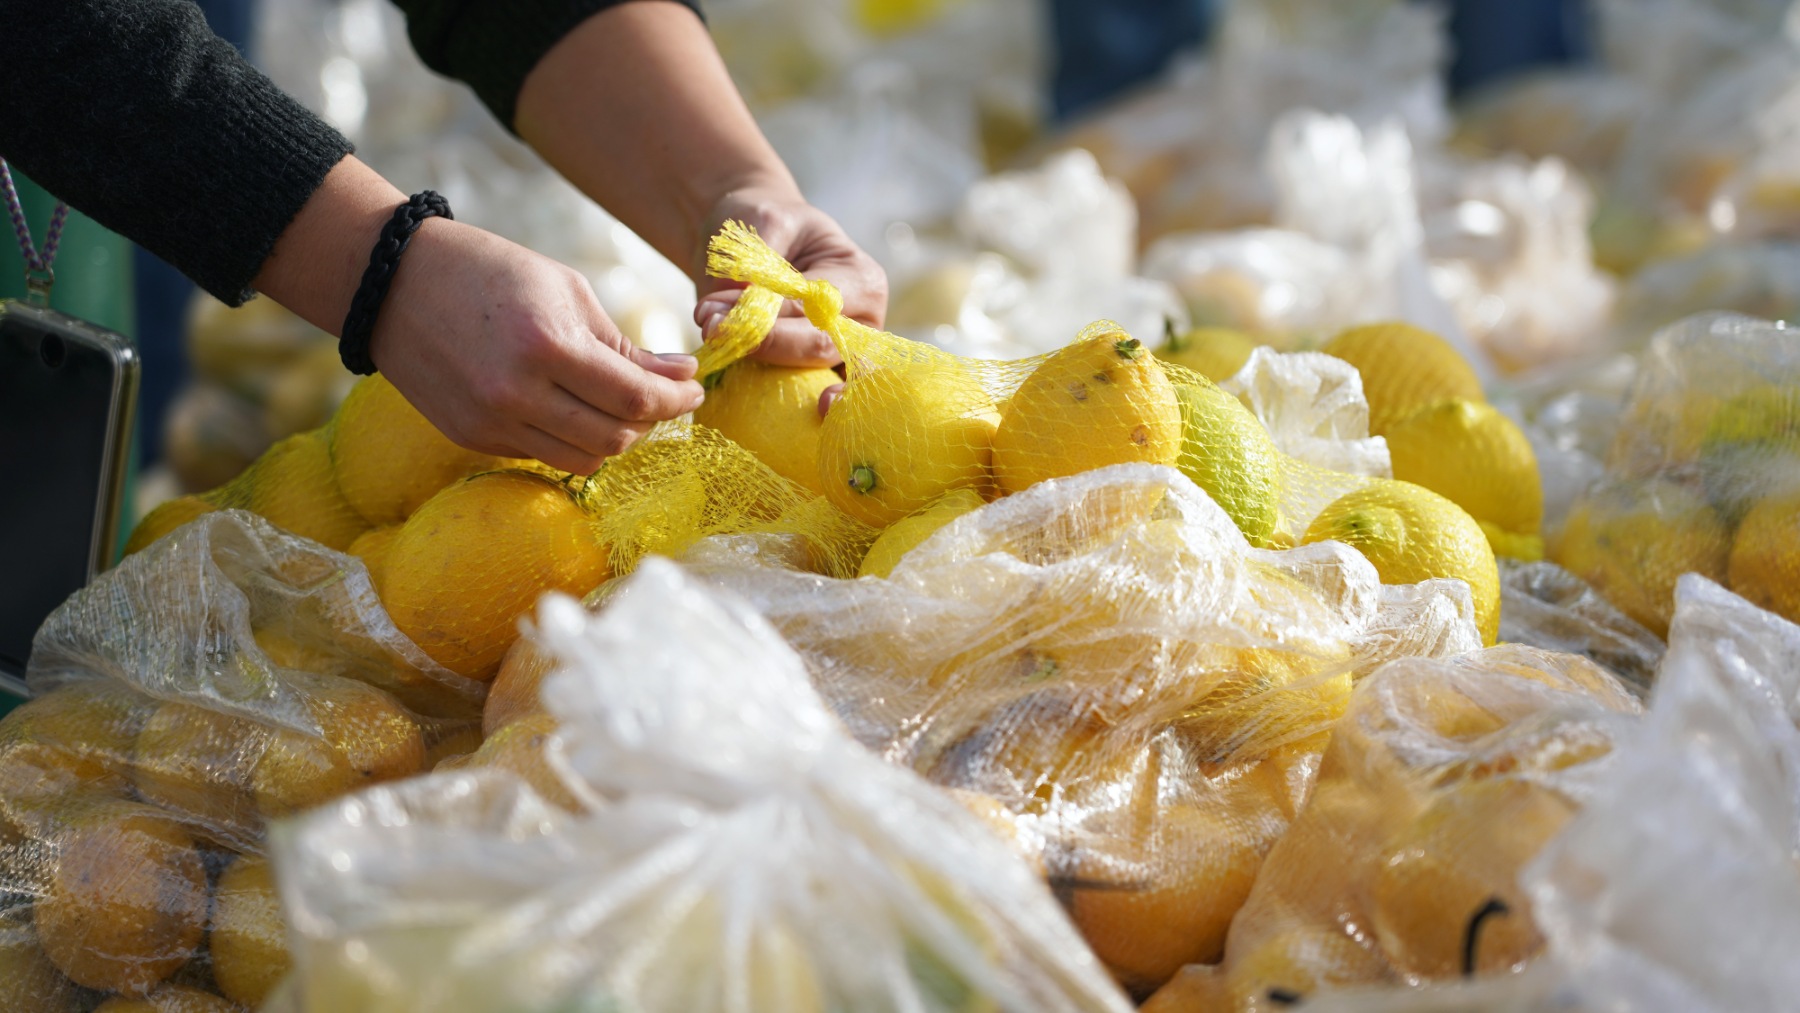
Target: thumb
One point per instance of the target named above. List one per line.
(674, 365)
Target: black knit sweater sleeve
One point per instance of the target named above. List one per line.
(492, 44)
(136, 113)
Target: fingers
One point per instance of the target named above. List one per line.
(633, 385)
(795, 342)
(563, 456)
(674, 365)
(828, 397)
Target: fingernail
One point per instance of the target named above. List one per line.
(712, 324)
(679, 358)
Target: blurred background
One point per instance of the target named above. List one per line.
(1545, 181)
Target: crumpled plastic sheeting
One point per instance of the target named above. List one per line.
(737, 851)
(1314, 408)
(1544, 605)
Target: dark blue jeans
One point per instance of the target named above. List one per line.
(1104, 47)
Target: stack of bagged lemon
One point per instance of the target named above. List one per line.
(459, 544)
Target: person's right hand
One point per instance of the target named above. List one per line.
(509, 353)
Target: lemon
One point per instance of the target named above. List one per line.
(1100, 400)
(902, 436)
(1226, 451)
(1765, 556)
(365, 738)
(773, 412)
(514, 693)
(906, 535)
(372, 547)
(477, 556)
(1632, 542)
(1412, 534)
(522, 748)
(1404, 369)
(1472, 454)
(164, 519)
(124, 899)
(1285, 968)
(248, 940)
(1439, 873)
(170, 998)
(1751, 448)
(1195, 864)
(292, 486)
(28, 981)
(1216, 353)
(389, 458)
(196, 762)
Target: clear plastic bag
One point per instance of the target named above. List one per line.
(228, 675)
(1142, 698)
(733, 850)
(1674, 890)
(1703, 475)
(1543, 605)
(1443, 780)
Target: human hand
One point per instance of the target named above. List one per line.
(509, 353)
(818, 248)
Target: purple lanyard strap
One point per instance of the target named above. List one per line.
(38, 274)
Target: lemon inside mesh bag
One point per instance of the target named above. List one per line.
(1444, 778)
(737, 852)
(1140, 693)
(224, 677)
(916, 423)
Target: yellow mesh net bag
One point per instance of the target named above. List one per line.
(1442, 780)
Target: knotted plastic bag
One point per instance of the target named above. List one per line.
(1132, 691)
(733, 850)
(227, 675)
(1444, 778)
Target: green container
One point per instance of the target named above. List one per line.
(94, 281)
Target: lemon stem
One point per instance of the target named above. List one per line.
(1129, 348)
(862, 478)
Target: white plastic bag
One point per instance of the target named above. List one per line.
(736, 852)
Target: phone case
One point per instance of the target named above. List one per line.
(68, 396)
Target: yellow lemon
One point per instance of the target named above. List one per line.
(905, 535)
(522, 748)
(28, 980)
(1473, 455)
(1448, 884)
(1751, 448)
(1632, 542)
(390, 459)
(1100, 400)
(292, 486)
(164, 519)
(197, 762)
(1765, 556)
(773, 412)
(1292, 964)
(1198, 863)
(372, 548)
(248, 941)
(170, 998)
(514, 692)
(1404, 369)
(1216, 353)
(1226, 451)
(477, 556)
(124, 905)
(1412, 534)
(364, 738)
(902, 436)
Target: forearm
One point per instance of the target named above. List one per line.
(636, 108)
(318, 262)
(134, 112)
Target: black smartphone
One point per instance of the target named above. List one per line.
(68, 393)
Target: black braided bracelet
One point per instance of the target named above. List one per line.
(384, 260)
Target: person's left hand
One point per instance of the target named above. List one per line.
(815, 245)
